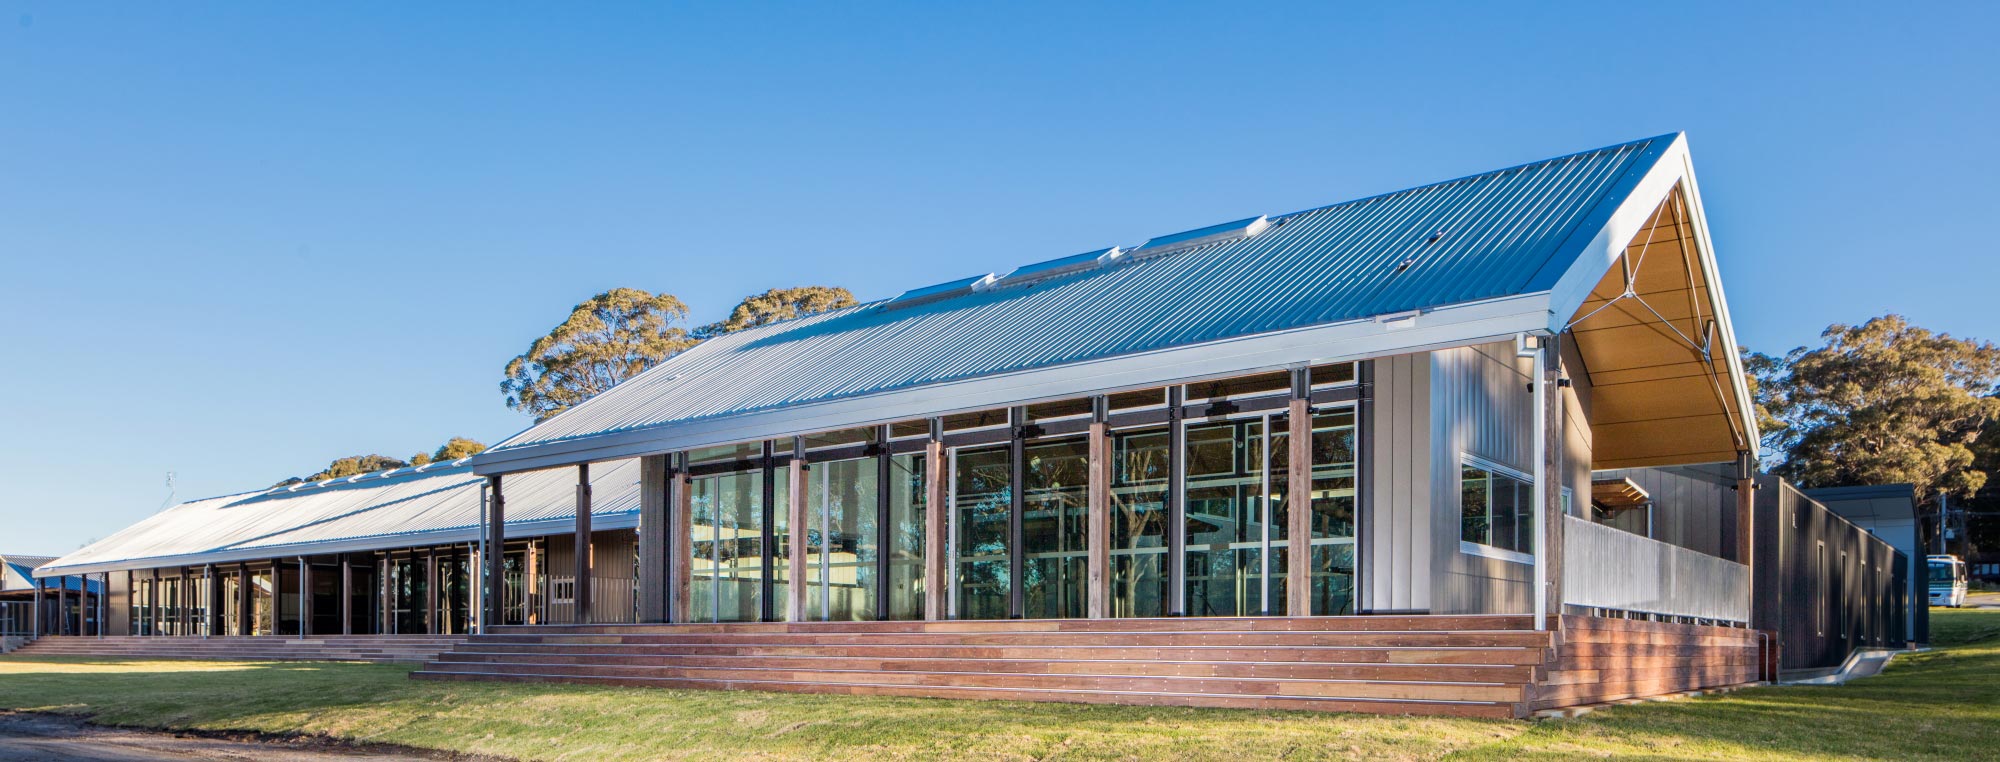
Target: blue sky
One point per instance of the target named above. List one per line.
(238, 242)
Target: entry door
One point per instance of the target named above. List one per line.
(843, 540)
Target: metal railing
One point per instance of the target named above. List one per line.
(1609, 568)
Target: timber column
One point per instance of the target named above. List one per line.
(937, 528)
(800, 559)
(1298, 496)
(496, 566)
(1098, 511)
(1549, 387)
(580, 612)
(680, 544)
(653, 488)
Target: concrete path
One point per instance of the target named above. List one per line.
(48, 738)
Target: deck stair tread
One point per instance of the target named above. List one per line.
(1478, 666)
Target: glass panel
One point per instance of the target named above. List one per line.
(232, 614)
(842, 540)
(1241, 386)
(1336, 373)
(726, 453)
(170, 606)
(727, 534)
(263, 615)
(410, 587)
(981, 501)
(361, 606)
(1055, 528)
(1496, 510)
(1472, 501)
(326, 600)
(1139, 521)
(1227, 515)
(1332, 590)
(781, 539)
(906, 536)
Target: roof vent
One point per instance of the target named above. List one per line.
(1041, 271)
(928, 294)
(1228, 231)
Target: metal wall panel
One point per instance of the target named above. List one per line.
(1823, 608)
(1396, 552)
(1480, 406)
(1694, 507)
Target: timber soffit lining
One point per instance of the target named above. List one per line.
(388, 509)
(1477, 238)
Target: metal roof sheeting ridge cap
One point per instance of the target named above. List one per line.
(1198, 237)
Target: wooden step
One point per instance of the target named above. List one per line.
(1462, 709)
(1358, 655)
(1230, 669)
(1285, 639)
(1015, 626)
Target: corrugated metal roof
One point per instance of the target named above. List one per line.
(1467, 240)
(389, 509)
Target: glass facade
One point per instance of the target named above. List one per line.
(843, 540)
(727, 532)
(1139, 521)
(982, 499)
(1332, 520)
(1055, 528)
(1235, 532)
(907, 507)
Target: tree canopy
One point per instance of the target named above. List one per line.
(453, 449)
(779, 304)
(352, 465)
(1880, 403)
(355, 465)
(609, 338)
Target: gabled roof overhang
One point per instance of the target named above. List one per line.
(1644, 305)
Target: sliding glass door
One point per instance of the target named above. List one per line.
(1233, 535)
(842, 540)
(1055, 528)
(982, 500)
(727, 531)
(1139, 521)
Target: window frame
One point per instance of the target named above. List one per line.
(1483, 550)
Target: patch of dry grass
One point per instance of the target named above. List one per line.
(1939, 706)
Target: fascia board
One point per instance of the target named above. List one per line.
(1718, 305)
(1450, 326)
(538, 528)
(1604, 248)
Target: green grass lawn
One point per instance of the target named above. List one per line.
(1943, 705)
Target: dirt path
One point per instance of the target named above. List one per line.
(48, 738)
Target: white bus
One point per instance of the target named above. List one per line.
(1947, 575)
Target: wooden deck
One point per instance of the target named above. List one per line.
(1471, 666)
(1464, 666)
(372, 648)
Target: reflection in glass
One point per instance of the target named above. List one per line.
(727, 533)
(981, 501)
(1231, 531)
(1055, 528)
(906, 537)
(841, 540)
(1139, 521)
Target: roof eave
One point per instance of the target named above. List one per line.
(538, 528)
